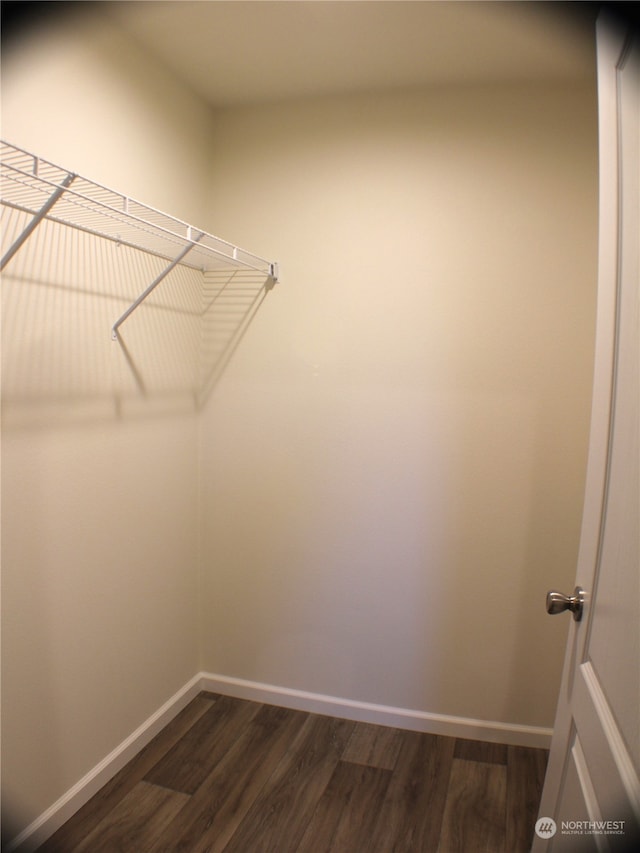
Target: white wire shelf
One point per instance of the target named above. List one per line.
(38, 187)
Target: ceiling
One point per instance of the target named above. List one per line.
(256, 51)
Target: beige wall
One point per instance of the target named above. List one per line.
(84, 93)
(99, 561)
(393, 464)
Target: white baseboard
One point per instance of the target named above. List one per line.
(421, 721)
(385, 715)
(52, 819)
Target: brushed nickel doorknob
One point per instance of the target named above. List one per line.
(558, 602)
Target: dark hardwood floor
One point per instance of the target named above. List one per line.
(240, 777)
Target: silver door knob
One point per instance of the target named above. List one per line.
(558, 602)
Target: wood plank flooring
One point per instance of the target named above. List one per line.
(240, 777)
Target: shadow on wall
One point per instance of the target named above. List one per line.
(61, 294)
(231, 301)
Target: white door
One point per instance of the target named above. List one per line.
(591, 795)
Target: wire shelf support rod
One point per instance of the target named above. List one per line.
(174, 263)
(37, 219)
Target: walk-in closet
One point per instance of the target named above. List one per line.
(297, 348)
